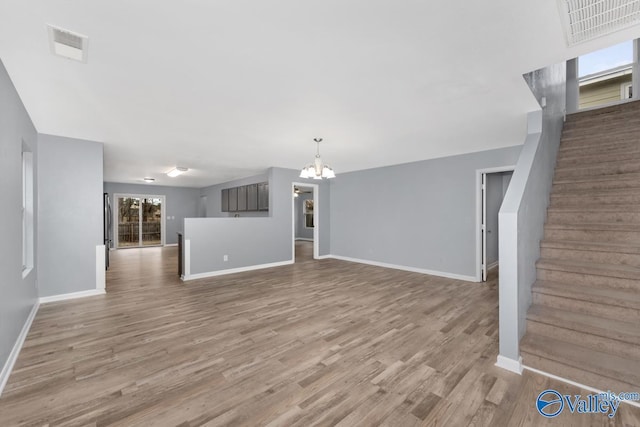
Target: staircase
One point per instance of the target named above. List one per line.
(584, 323)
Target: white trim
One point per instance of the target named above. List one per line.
(188, 277)
(170, 244)
(510, 364)
(324, 257)
(72, 295)
(101, 274)
(576, 384)
(406, 268)
(15, 351)
(304, 239)
(186, 256)
(492, 265)
(479, 173)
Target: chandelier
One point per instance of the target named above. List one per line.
(317, 169)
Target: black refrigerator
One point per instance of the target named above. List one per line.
(107, 228)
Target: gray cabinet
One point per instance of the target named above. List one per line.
(252, 197)
(225, 200)
(233, 199)
(242, 198)
(263, 196)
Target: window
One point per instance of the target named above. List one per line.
(27, 211)
(626, 91)
(308, 213)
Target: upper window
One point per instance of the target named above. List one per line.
(27, 211)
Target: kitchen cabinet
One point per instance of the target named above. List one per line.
(242, 198)
(233, 199)
(246, 198)
(225, 200)
(252, 197)
(263, 196)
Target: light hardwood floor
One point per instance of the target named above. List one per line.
(315, 343)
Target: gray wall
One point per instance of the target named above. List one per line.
(70, 214)
(420, 215)
(302, 232)
(524, 209)
(254, 241)
(17, 295)
(214, 197)
(181, 203)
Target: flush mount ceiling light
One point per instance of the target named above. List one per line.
(148, 179)
(585, 20)
(176, 171)
(68, 44)
(317, 170)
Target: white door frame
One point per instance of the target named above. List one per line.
(316, 218)
(480, 207)
(163, 225)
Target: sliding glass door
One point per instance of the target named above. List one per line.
(139, 220)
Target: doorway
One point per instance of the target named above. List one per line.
(139, 221)
(492, 186)
(306, 224)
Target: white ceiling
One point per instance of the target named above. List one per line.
(230, 88)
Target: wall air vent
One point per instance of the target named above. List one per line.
(586, 20)
(68, 44)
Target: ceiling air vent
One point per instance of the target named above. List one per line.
(68, 44)
(586, 20)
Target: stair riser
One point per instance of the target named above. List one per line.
(596, 146)
(614, 184)
(560, 217)
(606, 133)
(567, 142)
(574, 160)
(603, 116)
(585, 200)
(574, 374)
(591, 256)
(589, 280)
(593, 235)
(586, 339)
(596, 171)
(587, 307)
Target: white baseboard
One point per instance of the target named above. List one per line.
(188, 277)
(101, 274)
(72, 295)
(492, 266)
(304, 239)
(15, 351)
(510, 364)
(170, 244)
(323, 257)
(406, 268)
(575, 384)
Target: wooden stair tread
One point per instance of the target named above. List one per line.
(628, 248)
(600, 326)
(598, 362)
(615, 297)
(634, 176)
(592, 226)
(608, 270)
